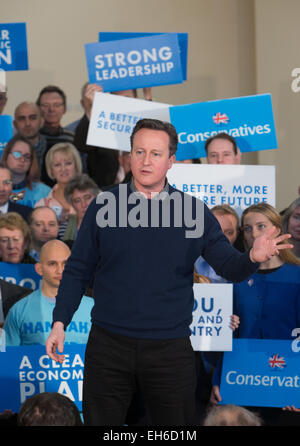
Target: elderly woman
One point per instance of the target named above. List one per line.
(291, 224)
(14, 239)
(20, 158)
(62, 164)
(79, 192)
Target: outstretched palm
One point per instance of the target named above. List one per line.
(266, 246)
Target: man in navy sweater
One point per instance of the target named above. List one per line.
(140, 241)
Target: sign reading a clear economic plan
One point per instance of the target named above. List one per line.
(13, 47)
(114, 117)
(249, 120)
(262, 373)
(182, 42)
(210, 329)
(27, 370)
(134, 63)
(6, 131)
(239, 186)
(21, 274)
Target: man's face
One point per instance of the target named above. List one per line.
(52, 264)
(44, 225)
(5, 186)
(221, 151)
(150, 160)
(52, 108)
(228, 225)
(28, 120)
(11, 245)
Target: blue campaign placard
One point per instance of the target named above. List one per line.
(262, 373)
(13, 47)
(248, 119)
(182, 41)
(27, 370)
(6, 131)
(21, 274)
(134, 63)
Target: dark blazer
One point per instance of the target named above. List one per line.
(10, 294)
(21, 209)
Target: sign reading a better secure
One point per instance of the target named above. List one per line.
(13, 47)
(134, 63)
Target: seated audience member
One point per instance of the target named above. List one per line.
(43, 224)
(28, 122)
(19, 157)
(53, 105)
(62, 163)
(3, 98)
(79, 192)
(29, 320)
(231, 415)
(229, 222)
(14, 239)
(222, 149)
(10, 293)
(276, 284)
(6, 185)
(49, 409)
(291, 224)
(124, 173)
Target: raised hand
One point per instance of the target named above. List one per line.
(266, 246)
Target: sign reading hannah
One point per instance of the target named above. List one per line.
(13, 47)
(134, 63)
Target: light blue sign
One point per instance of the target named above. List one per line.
(248, 119)
(6, 131)
(262, 373)
(134, 63)
(13, 47)
(182, 42)
(21, 274)
(27, 371)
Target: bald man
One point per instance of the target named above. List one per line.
(28, 122)
(29, 320)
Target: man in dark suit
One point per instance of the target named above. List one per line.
(5, 191)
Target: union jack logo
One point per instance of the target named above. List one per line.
(220, 118)
(277, 361)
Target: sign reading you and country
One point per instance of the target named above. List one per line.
(261, 372)
(134, 63)
(13, 47)
(210, 329)
(239, 186)
(249, 120)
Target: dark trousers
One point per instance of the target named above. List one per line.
(116, 366)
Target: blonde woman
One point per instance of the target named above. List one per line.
(62, 164)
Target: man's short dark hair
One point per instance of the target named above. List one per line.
(49, 409)
(156, 124)
(222, 135)
(52, 89)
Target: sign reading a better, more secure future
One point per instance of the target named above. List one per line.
(135, 63)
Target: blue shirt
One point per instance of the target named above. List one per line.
(24, 195)
(29, 321)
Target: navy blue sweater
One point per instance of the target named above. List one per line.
(143, 285)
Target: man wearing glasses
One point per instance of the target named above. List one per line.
(52, 103)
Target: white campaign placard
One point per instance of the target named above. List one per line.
(210, 330)
(239, 186)
(114, 117)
